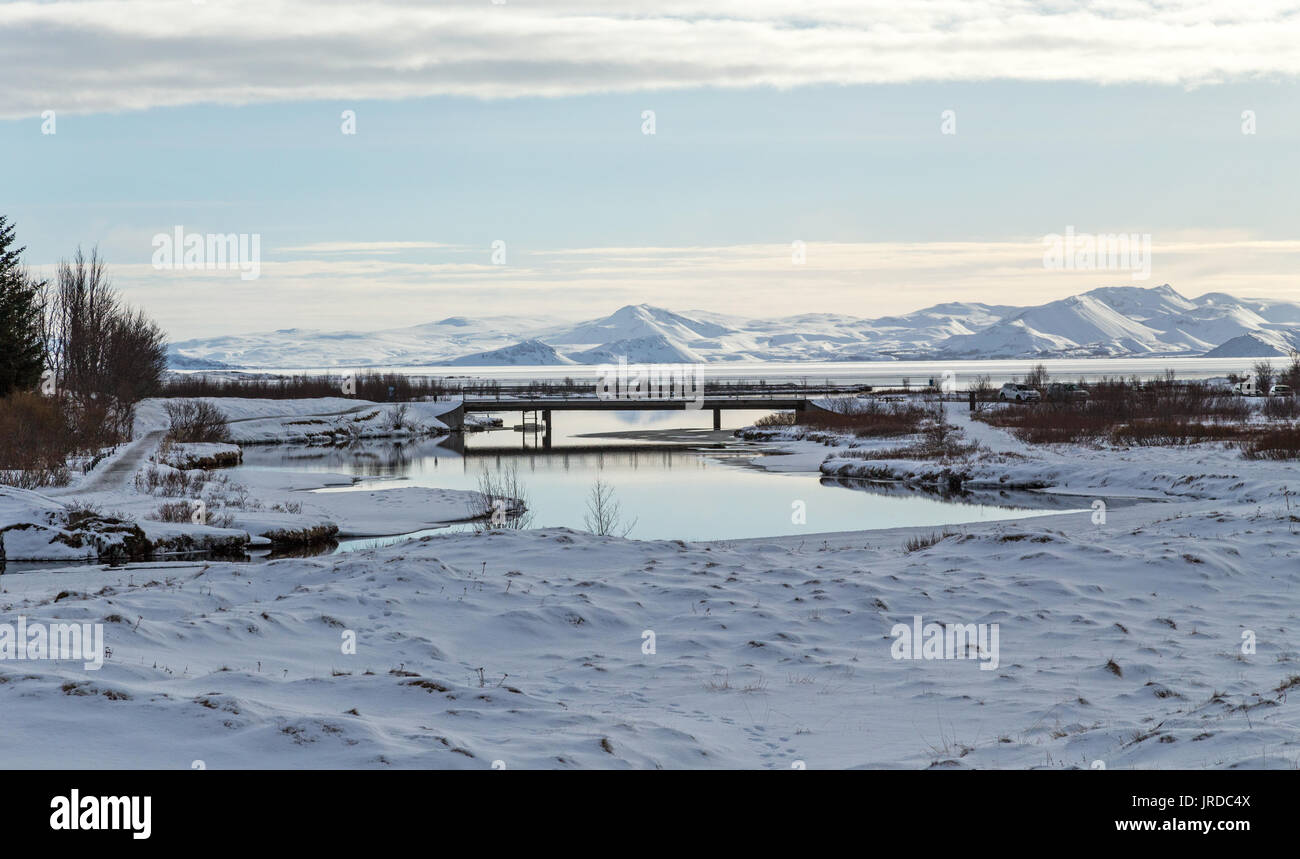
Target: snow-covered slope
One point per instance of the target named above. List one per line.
(1253, 345)
(655, 349)
(635, 322)
(1107, 322)
(1079, 322)
(1127, 321)
(532, 353)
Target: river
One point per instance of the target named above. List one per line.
(673, 477)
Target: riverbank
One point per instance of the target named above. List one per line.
(152, 498)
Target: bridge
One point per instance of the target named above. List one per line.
(543, 405)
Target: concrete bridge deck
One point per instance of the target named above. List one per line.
(574, 404)
(543, 406)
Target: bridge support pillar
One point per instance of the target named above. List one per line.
(717, 419)
(546, 436)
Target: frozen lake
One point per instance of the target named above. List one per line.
(878, 373)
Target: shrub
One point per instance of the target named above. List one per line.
(1162, 411)
(195, 421)
(397, 418)
(924, 541)
(869, 418)
(776, 419)
(171, 482)
(174, 511)
(1283, 443)
(501, 500)
(1282, 408)
(182, 512)
(36, 439)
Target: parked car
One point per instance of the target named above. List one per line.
(1061, 392)
(1281, 391)
(1014, 391)
(1246, 388)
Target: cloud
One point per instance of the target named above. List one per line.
(362, 247)
(109, 55)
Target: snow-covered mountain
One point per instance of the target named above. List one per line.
(1126, 321)
(652, 349)
(1255, 345)
(1121, 321)
(427, 343)
(531, 353)
(636, 321)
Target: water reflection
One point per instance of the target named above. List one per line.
(671, 472)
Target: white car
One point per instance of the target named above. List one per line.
(1016, 392)
(1281, 391)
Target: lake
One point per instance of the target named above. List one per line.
(673, 476)
(876, 373)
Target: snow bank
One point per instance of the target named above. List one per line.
(36, 528)
(199, 455)
(312, 421)
(554, 649)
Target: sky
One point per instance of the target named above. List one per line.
(863, 158)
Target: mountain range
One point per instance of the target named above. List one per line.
(1121, 321)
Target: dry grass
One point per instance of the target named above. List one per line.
(1281, 443)
(367, 386)
(1162, 412)
(918, 542)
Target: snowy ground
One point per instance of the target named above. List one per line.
(129, 485)
(254, 421)
(1120, 640)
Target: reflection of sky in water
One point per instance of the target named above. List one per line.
(672, 494)
(573, 424)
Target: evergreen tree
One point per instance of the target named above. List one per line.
(22, 341)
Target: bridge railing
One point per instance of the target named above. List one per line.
(712, 392)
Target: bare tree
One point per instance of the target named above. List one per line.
(604, 512)
(103, 355)
(397, 418)
(938, 431)
(1037, 377)
(501, 501)
(1264, 376)
(1292, 374)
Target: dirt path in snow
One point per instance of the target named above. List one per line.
(120, 471)
(994, 438)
